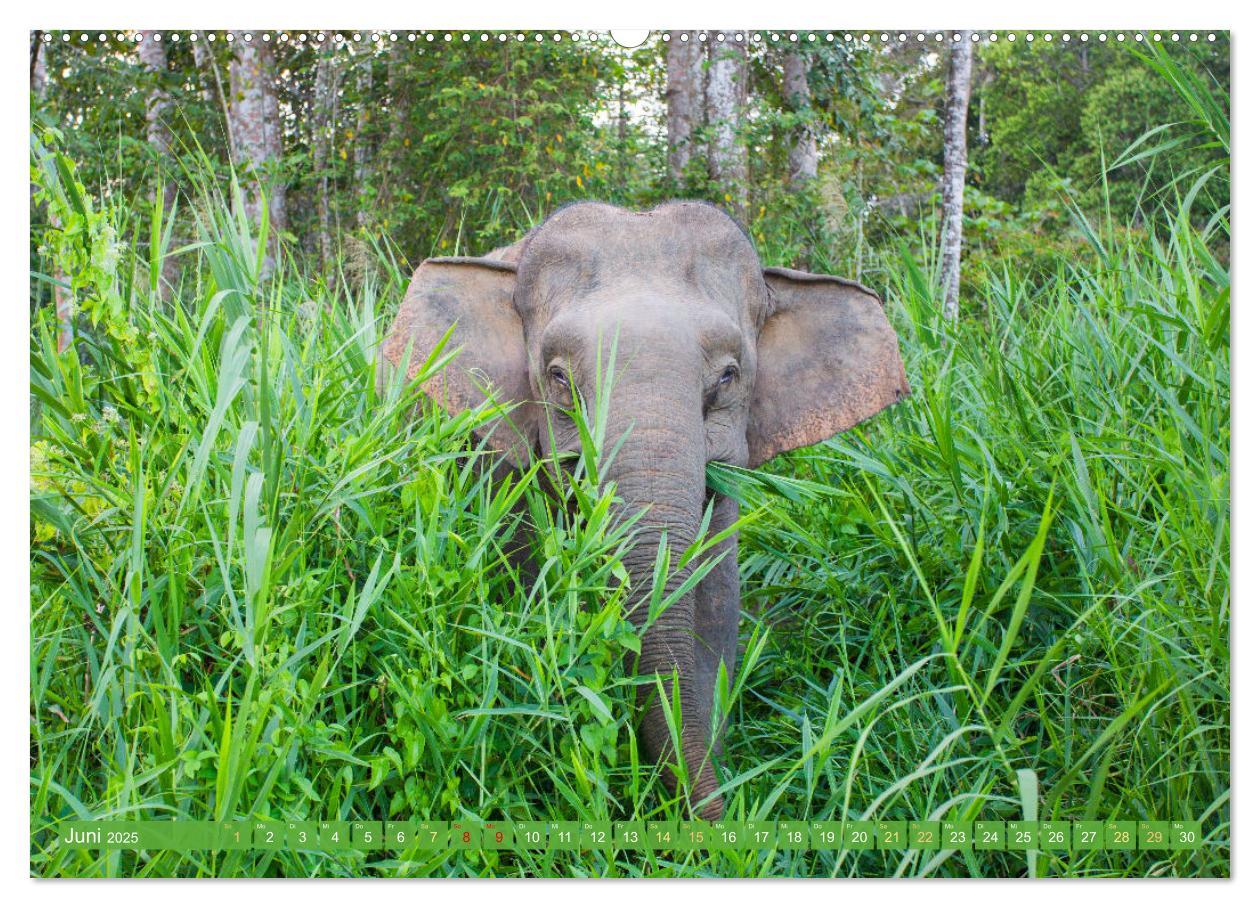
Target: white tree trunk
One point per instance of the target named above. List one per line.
(157, 108)
(274, 135)
(802, 146)
(63, 302)
(724, 110)
(39, 66)
(399, 97)
(684, 99)
(158, 133)
(201, 59)
(321, 144)
(959, 96)
(362, 152)
(256, 140)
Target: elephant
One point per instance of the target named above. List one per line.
(718, 359)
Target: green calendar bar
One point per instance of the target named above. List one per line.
(891, 835)
(695, 835)
(564, 836)
(1152, 835)
(269, 835)
(760, 834)
(236, 835)
(860, 835)
(303, 836)
(530, 836)
(630, 836)
(1184, 835)
(662, 836)
(989, 835)
(793, 836)
(433, 836)
(1120, 835)
(465, 836)
(923, 835)
(726, 834)
(498, 836)
(398, 836)
(1021, 835)
(826, 835)
(367, 836)
(334, 835)
(1088, 836)
(957, 835)
(1055, 836)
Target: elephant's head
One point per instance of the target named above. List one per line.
(717, 358)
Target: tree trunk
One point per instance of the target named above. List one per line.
(203, 62)
(157, 108)
(203, 56)
(63, 302)
(699, 79)
(39, 67)
(158, 133)
(724, 110)
(275, 144)
(256, 139)
(623, 120)
(362, 151)
(959, 89)
(684, 99)
(393, 163)
(321, 145)
(399, 101)
(802, 146)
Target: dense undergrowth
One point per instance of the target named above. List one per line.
(263, 588)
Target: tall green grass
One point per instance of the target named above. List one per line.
(263, 588)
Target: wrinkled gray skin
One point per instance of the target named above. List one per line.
(718, 359)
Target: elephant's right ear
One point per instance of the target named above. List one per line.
(827, 358)
(475, 296)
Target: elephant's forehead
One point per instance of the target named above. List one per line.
(688, 250)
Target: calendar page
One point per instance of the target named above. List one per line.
(703, 453)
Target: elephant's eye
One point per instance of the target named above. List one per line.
(729, 374)
(560, 377)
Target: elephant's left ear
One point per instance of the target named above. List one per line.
(471, 298)
(827, 358)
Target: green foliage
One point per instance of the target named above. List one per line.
(441, 146)
(1057, 112)
(83, 243)
(279, 591)
(262, 586)
(469, 182)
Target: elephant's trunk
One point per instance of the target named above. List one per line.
(660, 467)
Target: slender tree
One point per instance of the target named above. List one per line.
(158, 132)
(39, 67)
(158, 105)
(321, 144)
(399, 96)
(684, 99)
(63, 301)
(959, 96)
(273, 136)
(725, 89)
(362, 147)
(201, 58)
(802, 145)
(254, 115)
